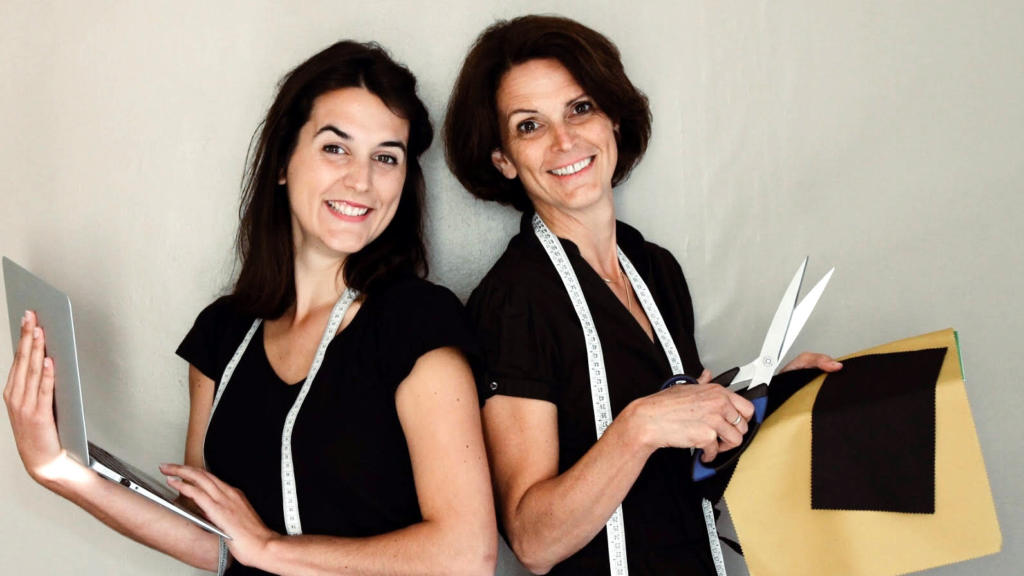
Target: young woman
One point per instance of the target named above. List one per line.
(581, 320)
(334, 425)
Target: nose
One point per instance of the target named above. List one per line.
(563, 136)
(357, 175)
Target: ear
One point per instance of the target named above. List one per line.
(503, 164)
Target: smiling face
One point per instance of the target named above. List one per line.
(346, 173)
(554, 138)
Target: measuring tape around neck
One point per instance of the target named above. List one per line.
(599, 384)
(289, 494)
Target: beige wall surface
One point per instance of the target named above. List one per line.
(884, 138)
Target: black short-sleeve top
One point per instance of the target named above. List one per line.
(533, 347)
(352, 467)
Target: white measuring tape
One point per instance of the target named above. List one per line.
(289, 494)
(599, 384)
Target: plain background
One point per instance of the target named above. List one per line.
(884, 138)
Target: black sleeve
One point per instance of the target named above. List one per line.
(422, 317)
(214, 336)
(520, 356)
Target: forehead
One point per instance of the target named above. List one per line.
(535, 84)
(360, 114)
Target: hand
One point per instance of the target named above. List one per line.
(29, 399)
(703, 415)
(822, 362)
(226, 507)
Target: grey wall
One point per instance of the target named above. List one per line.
(884, 138)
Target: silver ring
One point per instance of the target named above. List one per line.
(737, 420)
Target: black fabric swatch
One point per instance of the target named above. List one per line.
(873, 434)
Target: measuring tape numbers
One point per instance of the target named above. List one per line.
(289, 489)
(599, 385)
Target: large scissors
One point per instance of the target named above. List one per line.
(751, 380)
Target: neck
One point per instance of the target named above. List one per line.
(592, 231)
(318, 283)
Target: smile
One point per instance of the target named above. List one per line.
(572, 168)
(346, 209)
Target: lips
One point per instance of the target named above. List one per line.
(349, 209)
(573, 168)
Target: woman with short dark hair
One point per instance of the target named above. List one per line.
(581, 320)
(334, 425)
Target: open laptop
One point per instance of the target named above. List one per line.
(26, 291)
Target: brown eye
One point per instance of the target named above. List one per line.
(386, 159)
(582, 107)
(526, 127)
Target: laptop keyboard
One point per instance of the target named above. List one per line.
(112, 462)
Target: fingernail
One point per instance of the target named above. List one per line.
(24, 318)
(48, 363)
(37, 333)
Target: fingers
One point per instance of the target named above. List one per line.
(744, 407)
(30, 392)
(705, 377)
(194, 476)
(46, 384)
(704, 416)
(15, 389)
(822, 362)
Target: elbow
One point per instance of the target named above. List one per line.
(530, 555)
(478, 556)
(483, 564)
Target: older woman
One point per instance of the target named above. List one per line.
(334, 426)
(581, 319)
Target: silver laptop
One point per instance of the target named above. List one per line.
(26, 291)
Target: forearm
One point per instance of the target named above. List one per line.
(557, 517)
(426, 548)
(134, 516)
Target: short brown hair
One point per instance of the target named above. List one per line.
(471, 128)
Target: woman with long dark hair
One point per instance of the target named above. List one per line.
(334, 425)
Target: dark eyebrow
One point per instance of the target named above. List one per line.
(393, 144)
(567, 104)
(521, 111)
(574, 100)
(344, 136)
(330, 128)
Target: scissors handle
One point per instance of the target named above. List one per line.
(757, 395)
(678, 379)
(726, 378)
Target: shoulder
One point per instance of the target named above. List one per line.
(218, 328)
(221, 317)
(651, 260)
(522, 275)
(411, 294)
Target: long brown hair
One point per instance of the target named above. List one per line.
(266, 285)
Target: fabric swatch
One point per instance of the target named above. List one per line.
(873, 434)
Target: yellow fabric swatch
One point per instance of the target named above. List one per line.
(769, 496)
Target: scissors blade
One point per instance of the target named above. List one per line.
(771, 350)
(803, 312)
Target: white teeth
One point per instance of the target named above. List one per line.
(346, 209)
(572, 169)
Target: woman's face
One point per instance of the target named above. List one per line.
(554, 138)
(346, 174)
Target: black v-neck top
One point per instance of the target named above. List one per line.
(533, 347)
(352, 466)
